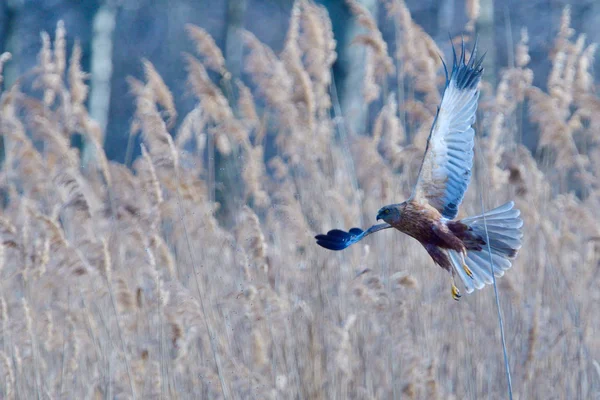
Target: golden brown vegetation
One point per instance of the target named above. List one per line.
(119, 283)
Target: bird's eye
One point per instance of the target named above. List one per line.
(386, 212)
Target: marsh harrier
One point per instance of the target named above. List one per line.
(460, 247)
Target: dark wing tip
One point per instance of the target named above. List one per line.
(466, 74)
(337, 233)
(337, 239)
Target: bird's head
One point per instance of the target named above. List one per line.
(389, 213)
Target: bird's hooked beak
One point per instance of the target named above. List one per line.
(387, 213)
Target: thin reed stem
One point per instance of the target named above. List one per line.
(199, 286)
(496, 293)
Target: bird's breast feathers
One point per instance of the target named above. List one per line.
(418, 220)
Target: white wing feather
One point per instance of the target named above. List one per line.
(446, 170)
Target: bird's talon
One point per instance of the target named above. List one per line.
(455, 293)
(468, 271)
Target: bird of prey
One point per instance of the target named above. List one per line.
(460, 247)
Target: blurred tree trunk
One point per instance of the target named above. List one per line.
(234, 44)
(485, 30)
(226, 169)
(9, 43)
(352, 101)
(101, 65)
(101, 69)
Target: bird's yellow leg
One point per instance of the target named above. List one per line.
(455, 292)
(464, 265)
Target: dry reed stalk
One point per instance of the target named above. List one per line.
(318, 46)
(161, 92)
(153, 185)
(271, 77)
(33, 344)
(259, 351)
(252, 233)
(95, 139)
(74, 345)
(60, 48)
(306, 127)
(388, 133)
(344, 353)
(72, 191)
(107, 269)
(421, 66)
(553, 111)
(374, 176)
(78, 89)
(2, 257)
(511, 91)
(9, 376)
(215, 107)
(166, 258)
(124, 296)
(150, 122)
(48, 77)
(4, 319)
(208, 49)
(292, 59)
(254, 174)
(379, 65)
(42, 258)
(383, 64)
(192, 129)
(59, 150)
(247, 107)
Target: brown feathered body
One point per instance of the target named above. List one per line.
(426, 224)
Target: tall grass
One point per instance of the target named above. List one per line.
(188, 277)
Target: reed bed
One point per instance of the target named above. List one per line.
(194, 274)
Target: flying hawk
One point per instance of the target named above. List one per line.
(459, 247)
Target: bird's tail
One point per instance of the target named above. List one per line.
(504, 233)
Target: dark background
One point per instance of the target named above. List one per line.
(154, 30)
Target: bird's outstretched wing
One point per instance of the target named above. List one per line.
(446, 169)
(337, 239)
